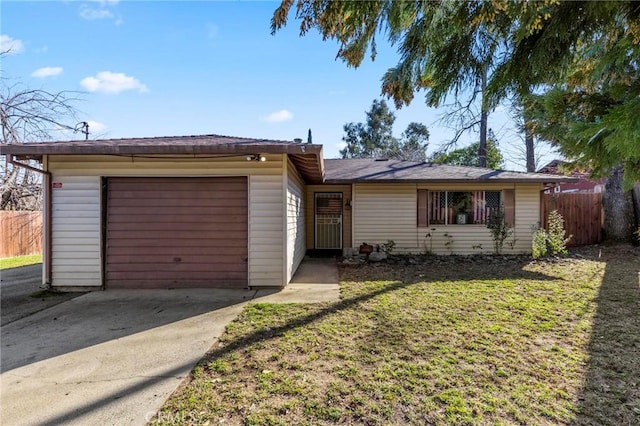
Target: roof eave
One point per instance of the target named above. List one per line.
(159, 149)
(445, 181)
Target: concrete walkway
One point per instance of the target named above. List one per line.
(114, 357)
(315, 281)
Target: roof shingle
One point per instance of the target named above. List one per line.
(370, 170)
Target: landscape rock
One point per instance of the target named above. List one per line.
(377, 256)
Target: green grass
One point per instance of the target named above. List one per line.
(441, 342)
(14, 262)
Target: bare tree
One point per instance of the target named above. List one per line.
(29, 115)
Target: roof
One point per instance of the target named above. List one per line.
(370, 170)
(306, 157)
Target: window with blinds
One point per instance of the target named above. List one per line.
(463, 207)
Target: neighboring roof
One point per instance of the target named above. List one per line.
(369, 170)
(552, 167)
(306, 157)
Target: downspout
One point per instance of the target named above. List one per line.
(46, 217)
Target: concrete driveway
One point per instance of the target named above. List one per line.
(114, 357)
(108, 358)
(17, 286)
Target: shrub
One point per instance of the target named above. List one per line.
(539, 248)
(387, 247)
(556, 234)
(500, 231)
(551, 241)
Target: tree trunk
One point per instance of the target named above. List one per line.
(636, 208)
(528, 143)
(619, 219)
(484, 117)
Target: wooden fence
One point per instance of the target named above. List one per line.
(21, 233)
(582, 213)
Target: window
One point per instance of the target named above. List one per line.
(462, 207)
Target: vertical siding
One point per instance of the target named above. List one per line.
(266, 197)
(310, 213)
(76, 257)
(295, 220)
(384, 212)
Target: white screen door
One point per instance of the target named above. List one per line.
(328, 210)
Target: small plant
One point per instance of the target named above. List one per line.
(552, 241)
(449, 243)
(429, 236)
(637, 235)
(500, 231)
(387, 247)
(539, 245)
(556, 233)
(477, 247)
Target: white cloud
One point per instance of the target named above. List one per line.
(96, 127)
(91, 13)
(46, 72)
(278, 116)
(104, 10)
(111, 82)
(10, 46)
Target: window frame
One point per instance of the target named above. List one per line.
(424, 198)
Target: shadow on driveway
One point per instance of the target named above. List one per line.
(17, 285)
(92, 351)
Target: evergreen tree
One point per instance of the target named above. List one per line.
(374, 138)
(467, 156)
(527, 45)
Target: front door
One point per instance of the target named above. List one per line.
(328, 209)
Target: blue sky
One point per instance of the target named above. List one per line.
(182, 68)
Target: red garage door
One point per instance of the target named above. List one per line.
(176, 233)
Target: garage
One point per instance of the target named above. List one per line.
(176, 233)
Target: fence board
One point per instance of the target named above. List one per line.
(21, 233)
(582, 213)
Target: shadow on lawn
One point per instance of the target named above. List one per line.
(416, 276)
(611, 391)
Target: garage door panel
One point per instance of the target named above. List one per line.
(176, 276)
(178, 202)
(194, 218)
(152, 227)
(151, 243)
(186, 236)
(152, 185)
(176, 210)
(172, 284)
(159, 250)
(177, 232)
(163, 194)
(185, 269)
(225, 258)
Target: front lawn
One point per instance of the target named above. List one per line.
(15, 262)
(435, 341)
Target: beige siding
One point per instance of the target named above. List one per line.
(388, 212)
(266, 195)
(346, 213)
(527, 215)
(295, 220)
(384, 212)
(76, 257)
